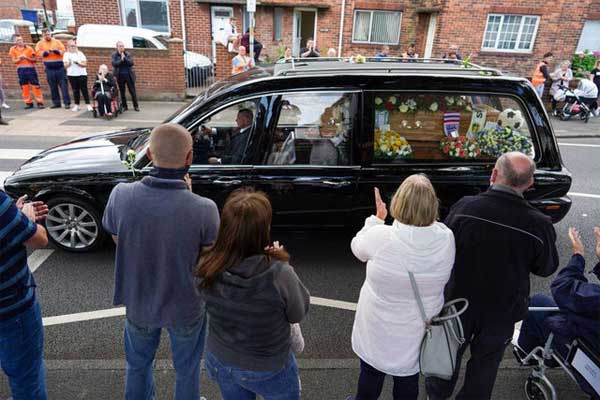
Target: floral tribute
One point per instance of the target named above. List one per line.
(460, 147)
(129, 161)
(388, 104)
(495, 142)
(390, 145)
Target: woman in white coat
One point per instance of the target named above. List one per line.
(388, 328)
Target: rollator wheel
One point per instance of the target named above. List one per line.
(536, 389)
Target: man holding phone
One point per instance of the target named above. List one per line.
(51, 51)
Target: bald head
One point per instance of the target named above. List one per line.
(514, 170)
(170, 146)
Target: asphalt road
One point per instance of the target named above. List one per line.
(85, 359)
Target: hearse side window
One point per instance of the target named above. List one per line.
(424, 127)
(223, 138)
(313, 129)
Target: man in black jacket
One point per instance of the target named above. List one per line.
(122, 63)
(500, 239)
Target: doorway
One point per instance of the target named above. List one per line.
(219, 22)
(305, 27)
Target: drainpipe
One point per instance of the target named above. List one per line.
(343, 12)
(183, 35)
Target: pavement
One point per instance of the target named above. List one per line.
(83, 332)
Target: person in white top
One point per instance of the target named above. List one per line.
(75, 63)
(388, 328)
(587, 92)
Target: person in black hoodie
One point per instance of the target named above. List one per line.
(500, 240)
(579, 303)
(252, 296)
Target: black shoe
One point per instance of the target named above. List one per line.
(28, 106)
(55, 106)
(136, 108)
(67, 106)
(124, 108)
(40, 106)
(3, 122)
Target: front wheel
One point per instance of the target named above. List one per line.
(536, 389)
(74, 225)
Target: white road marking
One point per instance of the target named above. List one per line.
(120, 311)
(37, 258)
(84, 316)
(588, 195)
(18, 154)
(578, 144)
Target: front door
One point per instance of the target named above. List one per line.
(307, 169)
(305, 27)
(219, 22)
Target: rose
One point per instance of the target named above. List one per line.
(389, 106)
(378, 101)
(433, 107)
(403, 108)
(446, 148)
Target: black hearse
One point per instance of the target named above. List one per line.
(319, 135)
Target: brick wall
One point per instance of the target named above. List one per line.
(11, 9)
(160, 73)
(96, 12)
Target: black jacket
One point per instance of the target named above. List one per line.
(500, 240)
(107, 85)
(117, 63)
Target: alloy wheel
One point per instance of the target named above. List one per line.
(72, 226)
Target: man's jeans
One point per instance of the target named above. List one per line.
(21, 352)
(187, 345)
(540, 90)
(240, 384)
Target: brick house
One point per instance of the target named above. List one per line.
(509, 34)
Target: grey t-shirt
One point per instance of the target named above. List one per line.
(161, 227)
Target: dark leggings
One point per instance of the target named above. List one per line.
(79, 86)
(370, 384)
(104, 105)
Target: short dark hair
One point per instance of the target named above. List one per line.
(247, 113)
(548, 54)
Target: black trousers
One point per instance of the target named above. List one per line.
(127, 80)
(370, 383)
(104, 105)
(79, 87)
(487, 338)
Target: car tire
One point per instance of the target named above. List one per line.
(74, 225)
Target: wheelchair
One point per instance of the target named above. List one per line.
(581, 362)
(115, 103)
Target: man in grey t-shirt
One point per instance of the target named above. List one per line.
(159, 227)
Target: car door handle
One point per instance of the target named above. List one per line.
(336, 183)
(227, 182)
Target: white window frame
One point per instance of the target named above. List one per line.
(138, 15)
(578, 50)
(371, 27)
(516, 49)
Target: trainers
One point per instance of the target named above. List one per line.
(4, 105)
(89, 107)
(75, 108)
(67, 106)
(28, 106)
(136, 108)
(40, 105)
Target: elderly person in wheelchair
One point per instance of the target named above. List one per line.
(578, 302)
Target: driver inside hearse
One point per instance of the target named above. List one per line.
(232, 141)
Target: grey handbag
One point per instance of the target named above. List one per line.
(443, 337)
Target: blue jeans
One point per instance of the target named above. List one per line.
(21, 354)
(187, 345)
(240, 384)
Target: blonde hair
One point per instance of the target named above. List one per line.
(415, 202)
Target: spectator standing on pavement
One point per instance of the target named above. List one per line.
(579, 304)
(541, 74)
(24, 58)
(51, 52)
(160, 226)
(75, 63)
(241, 62)
(21, 329)
(500, 240)
(387, 340)
(122, 62)
(252, 296)
(310, 50)
(2, 94)
(595, 77)
(560, 81)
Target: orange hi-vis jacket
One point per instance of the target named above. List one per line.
(52, 60)
(16, 52)
(538, 77)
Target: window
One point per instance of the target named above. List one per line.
(149, 14)
(277, 23)
(313, 129)
(447, 127)
(141, 43)
(511, 33)
(378, 27)
(224, 137)
(590, 37)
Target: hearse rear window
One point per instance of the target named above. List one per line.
(445, 127)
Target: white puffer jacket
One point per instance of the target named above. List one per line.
(388, 328)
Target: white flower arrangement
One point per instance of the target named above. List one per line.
(378, 101)
(130, 161)
(433, 107)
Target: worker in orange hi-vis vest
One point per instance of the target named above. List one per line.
(24, 58)
(51, 51)
(541, 75)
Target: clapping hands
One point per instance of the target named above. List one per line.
(577, 244)
(57, 52)
(36, 211)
